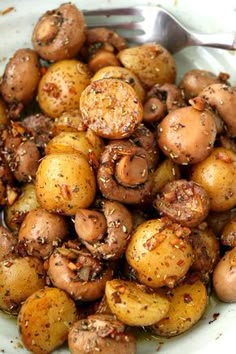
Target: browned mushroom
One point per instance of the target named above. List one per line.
(222, 98)
(7, 243)
(21, 77)
(26, 161)
(98, 37)
(100, 333)
(42, 231)
(39, 127)
(185, 202)
(160, 100)
(59, 34)
(124, 173)
(78, 273)
(105, 240)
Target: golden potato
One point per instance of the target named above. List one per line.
(216, 174)
(19, 278)
(86, 143)
(151, 62)
(70, 121)
(166, 172)
(159, 252)
(14, 214)
(64, 183)
(132, 305)
(45, 319)
(187, 304)
(117, 72)
(61, 86)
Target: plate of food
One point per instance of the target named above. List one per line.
(117, 188)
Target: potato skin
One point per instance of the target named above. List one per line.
(224, 277)
(132, 305)
(44, 320)
(216, 174)
(187, 305)
(187, 135)
(152, 63)
(60, 87)
(157, 254)
(64, 183)
(19, 278)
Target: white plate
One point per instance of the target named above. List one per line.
(204, 15)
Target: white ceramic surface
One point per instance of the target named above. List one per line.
(205, 15)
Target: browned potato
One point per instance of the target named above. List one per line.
(14, 214)
(3, 114)
(86, 143)
(216, 174)
(187, 135)
(228, 236)
(152, 63)
(70, 121)
(111, 108)
(21, 77)
(100, 334)
(132, 305)
(19, 278)
(194, 81)
(60, 87)
(224, 277)
(159, 252)
(42, 231)
(118, 72)
(188, 302)
(45, 319)
(60, 33)
(64, 183)
(166, 172)
(184, 202)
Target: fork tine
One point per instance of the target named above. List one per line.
(123, 11)
(119, 25)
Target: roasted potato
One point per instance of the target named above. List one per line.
(45, 319)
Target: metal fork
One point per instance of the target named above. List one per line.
(143, 24)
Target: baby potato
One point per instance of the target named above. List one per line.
(187, 304)
(64, 183)
(19, 278)
(228, 236)
(159, 252)
(151, 62)
(224, 277)
(132, 305)
(111, 108)
(60, 87)
(166, 172)
(15, 213)
(45, 319)
(117, 72)
(187, 135)
(216, 174)
(70, 121)
(86, 143)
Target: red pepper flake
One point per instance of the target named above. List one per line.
(224, 157)
(215, 316)
(51, 89)
(180, 263)
(7, 10)
(154, 241)
(187, 298)
(198, 103)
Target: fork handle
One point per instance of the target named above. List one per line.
(214, 40)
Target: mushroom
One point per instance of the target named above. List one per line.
(184, 202)
(59, 34)
(7, 243)
(160, 100)
(78, 273)
(222, 99)
(106, 233)
(42, 231)
(124, 173)
(100, 333)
